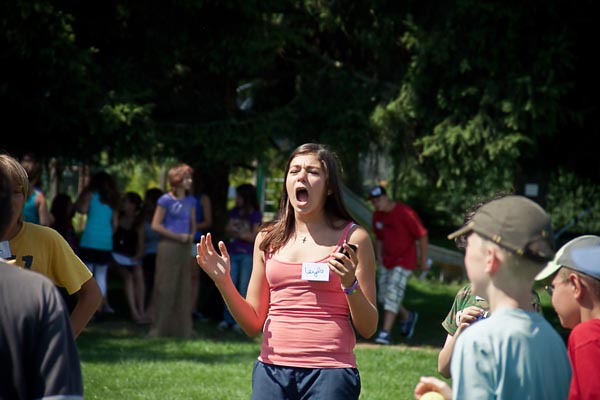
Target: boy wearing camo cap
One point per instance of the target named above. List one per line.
(466, 307)
(575, 292)
(515, 353)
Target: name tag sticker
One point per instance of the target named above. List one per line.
(315, 272)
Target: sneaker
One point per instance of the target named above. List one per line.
(222, 326)
(237, 329)
(407, 328)
(107, 309)
(198, 316)
(383, 337)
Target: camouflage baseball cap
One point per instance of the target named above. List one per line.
(581, 254)
(516, 223)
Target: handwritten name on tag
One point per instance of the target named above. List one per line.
(315, 272)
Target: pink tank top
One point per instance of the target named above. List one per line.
(308, 324)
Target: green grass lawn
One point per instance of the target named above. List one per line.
(120, 362)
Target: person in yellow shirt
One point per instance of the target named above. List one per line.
(44, 250)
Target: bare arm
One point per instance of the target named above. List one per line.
(89, 301)
(251, 312)
(141, 238)
(157, 226)
(379, 251)
(207, 219)
(82, 203)
(423, 244)
(115, 220)
(42, 209)
(360, 265)
(467, 317)
(445, 356)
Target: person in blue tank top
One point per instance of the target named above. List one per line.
(35, 209)
(99, 201)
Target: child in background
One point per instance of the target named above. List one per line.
(62, 211)
(204, 220)
(35, 209)
(242, 227)
(466, 310)
(128, 249)
(99, 201)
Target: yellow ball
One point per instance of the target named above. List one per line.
(432, 396)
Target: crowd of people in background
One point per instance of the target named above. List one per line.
(160, 247)
(141, 241)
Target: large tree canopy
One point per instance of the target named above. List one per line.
(465, 97)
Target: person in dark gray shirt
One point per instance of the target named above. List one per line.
(38, 355)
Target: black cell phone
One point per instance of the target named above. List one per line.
(344, 252)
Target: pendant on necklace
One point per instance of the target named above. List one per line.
(304, 239)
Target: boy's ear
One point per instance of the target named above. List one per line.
(579, 286)
(492, 261)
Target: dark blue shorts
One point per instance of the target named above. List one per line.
(274, 382)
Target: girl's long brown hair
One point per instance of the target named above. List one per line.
(278, 232)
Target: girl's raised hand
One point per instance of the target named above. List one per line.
(214, 264)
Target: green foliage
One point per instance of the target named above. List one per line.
(46, 91)
(471, 105)
(464, 96)
(573, 203)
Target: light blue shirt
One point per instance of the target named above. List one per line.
(513, 354)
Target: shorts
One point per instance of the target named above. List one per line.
(275, 382)
(95, 256)
(392, 287)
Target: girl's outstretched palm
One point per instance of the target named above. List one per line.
(214, 264)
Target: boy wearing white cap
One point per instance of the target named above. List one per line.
(575, 292)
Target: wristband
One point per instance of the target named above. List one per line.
(352, 288)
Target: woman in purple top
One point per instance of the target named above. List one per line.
(174, 219)
(242, 227)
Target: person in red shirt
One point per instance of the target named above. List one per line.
(575, 292)
(397, 228)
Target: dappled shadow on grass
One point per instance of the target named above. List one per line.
(117, 341)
